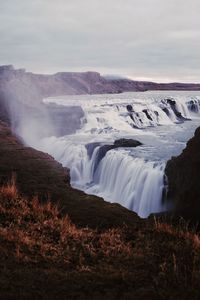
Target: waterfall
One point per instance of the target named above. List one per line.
(132, 182)
(132, 177)
(117, 115)
(118, 177)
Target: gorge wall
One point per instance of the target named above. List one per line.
(183, 174)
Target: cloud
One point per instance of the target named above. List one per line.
(139, 38)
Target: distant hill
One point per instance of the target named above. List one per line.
(81, 83)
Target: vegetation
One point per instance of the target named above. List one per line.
(44, 255)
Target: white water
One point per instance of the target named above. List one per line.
(133, 177)
(129, 182)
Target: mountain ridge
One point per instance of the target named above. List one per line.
(86, 82)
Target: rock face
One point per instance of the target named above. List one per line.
(183, 174)
(172, 103)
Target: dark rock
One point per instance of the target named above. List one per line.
(178, 114)
(193, 106)
(147, 114)
(127, 143)
(165, 109)
(129, 108)
(156, 113)
(103, 150)
(183, 174)
(171, 102)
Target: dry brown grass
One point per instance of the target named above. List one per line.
(179, 231)
(159, 261)
(10, 190)
(37, 231)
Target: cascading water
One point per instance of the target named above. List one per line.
(133, 177)
(132, 182)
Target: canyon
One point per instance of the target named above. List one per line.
(21, 95)
(60, 242)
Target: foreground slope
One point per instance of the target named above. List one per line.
(45, 256)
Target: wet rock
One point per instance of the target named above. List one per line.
(127, 143)
(129, 108)
(178, 114)
(193, 106)
(166, 110)
(147, 114)
(171, 102)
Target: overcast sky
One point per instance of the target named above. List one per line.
(143, 39)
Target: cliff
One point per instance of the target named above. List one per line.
(183, 174)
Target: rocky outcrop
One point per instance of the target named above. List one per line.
(172, 103)
(103, 149)
(127, 143)
(183, 174)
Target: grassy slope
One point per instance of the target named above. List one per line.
(45, 256)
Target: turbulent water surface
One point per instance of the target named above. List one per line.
(133, 177)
